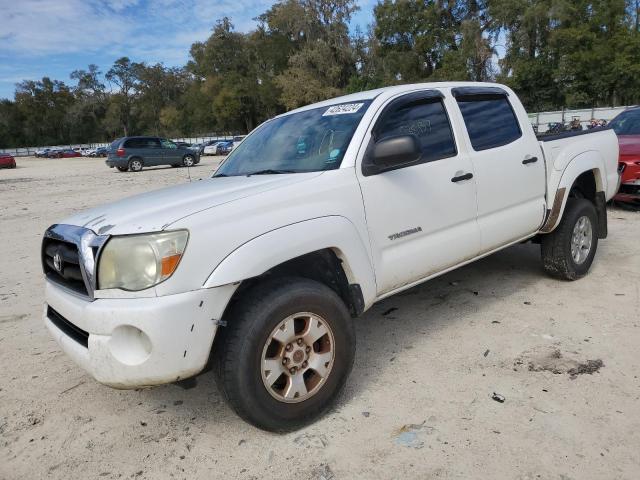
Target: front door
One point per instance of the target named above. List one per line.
(151, 151)
(422, 217)
(170, 153)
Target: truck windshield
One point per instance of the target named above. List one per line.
(309, 141)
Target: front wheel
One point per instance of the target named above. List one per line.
(568, 251)
(286, 353)
(188, 161)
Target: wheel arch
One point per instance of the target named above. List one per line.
(583, 177)
(326, 249)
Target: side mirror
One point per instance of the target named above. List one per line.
(391, 153)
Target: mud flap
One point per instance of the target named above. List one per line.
(601, 209)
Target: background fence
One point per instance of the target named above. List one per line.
(539, 119)
(31, 151)
(542, 119)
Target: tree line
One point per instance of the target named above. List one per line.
(553, 53)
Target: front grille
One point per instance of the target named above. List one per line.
(68, 328)
(68, 273)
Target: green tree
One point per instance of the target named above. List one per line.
(43, 105)
(124, 74)
(321, 61)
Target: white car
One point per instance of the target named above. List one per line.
(317, 215)
(212, 149)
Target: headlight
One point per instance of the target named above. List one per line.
(136, 262)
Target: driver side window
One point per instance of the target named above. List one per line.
(168, 144)
(423, 117)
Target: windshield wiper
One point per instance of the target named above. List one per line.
(270, 171)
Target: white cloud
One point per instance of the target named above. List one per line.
(39, 28)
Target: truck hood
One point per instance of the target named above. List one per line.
(157, 210)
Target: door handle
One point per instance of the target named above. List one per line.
(529, 160)
(460, 178)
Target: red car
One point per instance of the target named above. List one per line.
(66, 154)
(7, 161)
(627, 127)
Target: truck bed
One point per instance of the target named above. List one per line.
(597, 147)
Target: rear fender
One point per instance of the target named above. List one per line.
(586, 161)
(278, 246)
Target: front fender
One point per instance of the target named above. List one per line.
(278, 246)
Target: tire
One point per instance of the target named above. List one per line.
(556, 247)
(122, 169)
(243, 346)
(188, 161)
(135, 164)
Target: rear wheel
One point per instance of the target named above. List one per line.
(568, 251)
(286, 353)
(135, 165)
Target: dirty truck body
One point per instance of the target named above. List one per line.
(317, 215)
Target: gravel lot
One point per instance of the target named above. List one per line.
(418, 403)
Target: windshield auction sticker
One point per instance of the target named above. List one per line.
(343, 109)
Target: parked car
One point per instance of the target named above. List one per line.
(206, 144)
(7, 160)
(101, 152)
(212, 148)
(627, 127)
(134, 153)
(83, 151)
(54, 152)
(316, 216)
(216, 147)
(42, 153)
(68, 153)
(224, 148)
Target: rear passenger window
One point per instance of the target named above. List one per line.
(426, 118)
(490, 120)
(142, 143)
(133, 143)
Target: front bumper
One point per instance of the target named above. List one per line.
(137, 342)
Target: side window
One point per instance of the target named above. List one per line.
(152, 143)
(490, 120)
(426, 118)
(132, 143)
(168, 144)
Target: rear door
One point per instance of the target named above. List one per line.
(508, 165)
(146, 148)
(421, 217)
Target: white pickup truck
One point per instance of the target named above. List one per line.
(318, 214)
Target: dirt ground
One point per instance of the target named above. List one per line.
(563, 357)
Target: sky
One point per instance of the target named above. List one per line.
(54, 37)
